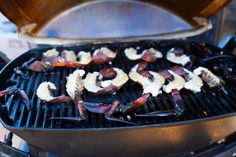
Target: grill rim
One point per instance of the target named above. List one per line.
(170, 124)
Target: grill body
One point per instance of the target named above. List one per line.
(157, 140)
(208, 117)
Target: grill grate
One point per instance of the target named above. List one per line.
(200, 105)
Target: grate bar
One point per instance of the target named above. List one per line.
(28, 85)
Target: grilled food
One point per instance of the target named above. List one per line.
(74, 85)
(103, 55)
(175, 82)
(53, 59)
(51, 53)
(132, 54)
(74, 88)
(84, 58)
(150, 80)
(45, 90)
(151, 55)
(115, 79)
(193, 81)
(211, 79)
(176, 55)
(70, 58)
(148, 55)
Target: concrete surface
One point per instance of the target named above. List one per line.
(16, 140)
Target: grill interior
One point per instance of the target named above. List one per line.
(204, 104)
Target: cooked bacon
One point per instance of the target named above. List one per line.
(166, 74)
(108, 72)
(148, 56)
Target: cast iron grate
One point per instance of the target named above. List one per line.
(200, 105)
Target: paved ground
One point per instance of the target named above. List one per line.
(16, 139)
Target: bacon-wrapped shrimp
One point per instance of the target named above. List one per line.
(74, 85)
(49, 60)
(74, 88)
(151, 55)
(176, 55)
(70, 59)
(84, 58)
(132, 54)
(175, 82)
(148, 79)
(211, 79)
(148, 55)
(52, 58)
(67, 59)
(116, 79)
(45, 93)
(103, 55)
(193, 81)
(51, 53)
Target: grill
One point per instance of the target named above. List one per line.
(209, 117)
(200, 105)
(204, 110)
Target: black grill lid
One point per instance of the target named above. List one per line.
(73, 21)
